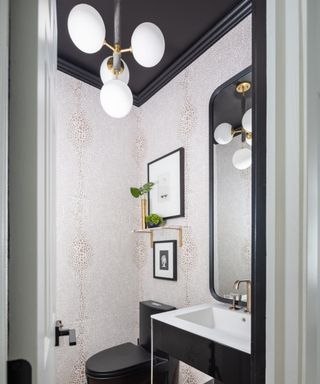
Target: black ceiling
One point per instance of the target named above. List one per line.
(189, 28)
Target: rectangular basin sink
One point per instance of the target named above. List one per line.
(215, 322)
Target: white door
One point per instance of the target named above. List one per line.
(293, 209)
(33, 54)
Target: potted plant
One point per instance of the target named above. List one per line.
(154, 220)
(140, 193)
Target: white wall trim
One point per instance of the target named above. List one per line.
(285, 193)
(4, 73)
(46, 189)
(293, 315)
(311, 14)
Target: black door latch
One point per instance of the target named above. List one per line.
(59, 331)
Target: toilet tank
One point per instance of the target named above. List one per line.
(148, 308)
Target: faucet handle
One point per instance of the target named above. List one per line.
(236, 298)
(248, 285)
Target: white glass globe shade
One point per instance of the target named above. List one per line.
(241, 159)
(247, 120)
(86, 28)
(107, 74)
(147, 43)
(223, 133)
(249, 141)
(116, 98)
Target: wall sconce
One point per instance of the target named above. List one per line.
(224, 132)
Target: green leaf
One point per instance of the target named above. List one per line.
(155, 219)
(135, 192)
(146, 188)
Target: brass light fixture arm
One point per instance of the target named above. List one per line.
(117, 48)
(242, 131)
(234, 131)
(125, 50)
(109, 46)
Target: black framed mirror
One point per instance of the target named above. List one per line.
(230, 185)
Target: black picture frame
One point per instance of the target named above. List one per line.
(182, 183)
(164, 267)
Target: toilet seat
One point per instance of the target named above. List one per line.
(117, 361)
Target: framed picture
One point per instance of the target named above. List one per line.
(165, 260)
(167, 196)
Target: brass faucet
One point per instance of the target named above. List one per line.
(248, 284)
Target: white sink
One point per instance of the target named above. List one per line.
(215, 322)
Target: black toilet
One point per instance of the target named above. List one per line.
(129, 363)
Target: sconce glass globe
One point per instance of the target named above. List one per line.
(116, 98)
(147, 44)
(107, 74)
(247, 120)
(249, 141)
(86, 28)
(241, 159)
(223, 133)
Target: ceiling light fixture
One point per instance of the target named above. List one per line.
(88, 33)
(224, 132)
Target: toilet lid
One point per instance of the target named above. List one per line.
(117, 360)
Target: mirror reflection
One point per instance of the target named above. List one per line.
(231, 184)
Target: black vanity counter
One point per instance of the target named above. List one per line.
(227, 365)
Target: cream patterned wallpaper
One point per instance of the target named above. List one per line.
(97, 285)
(232, 251)
(178, 116)
(103, 270)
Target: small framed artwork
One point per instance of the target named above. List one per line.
(165, 260)
(167, 196)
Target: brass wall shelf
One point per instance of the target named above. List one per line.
(178, 228)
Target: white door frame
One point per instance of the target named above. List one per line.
(4, 73)
(311, 73)
(32, 185)
(293, 315)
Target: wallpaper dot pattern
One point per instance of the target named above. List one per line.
(103, 269)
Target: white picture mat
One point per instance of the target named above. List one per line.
(167, 169)
(169, 274)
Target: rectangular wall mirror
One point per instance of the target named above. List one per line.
(230, 179)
